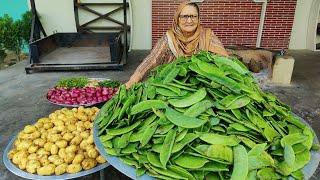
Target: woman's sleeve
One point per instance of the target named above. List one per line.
(216, 46)
(151, 61)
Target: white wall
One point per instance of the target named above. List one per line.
(58, 15)
(298, 38)
(313, 21)
(303, 34)
(142, 24)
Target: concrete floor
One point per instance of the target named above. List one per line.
(22, 97)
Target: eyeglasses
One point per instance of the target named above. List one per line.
(185, 17)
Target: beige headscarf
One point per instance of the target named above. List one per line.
(202, 39)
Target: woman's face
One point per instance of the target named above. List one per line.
(188, 19)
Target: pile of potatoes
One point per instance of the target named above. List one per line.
(60, 143)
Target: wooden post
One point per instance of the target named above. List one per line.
(76, 14)
(125, 31)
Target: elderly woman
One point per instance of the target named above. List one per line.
(186, 37)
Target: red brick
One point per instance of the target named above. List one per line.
(235, 22)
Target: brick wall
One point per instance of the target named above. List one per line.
(235, 22)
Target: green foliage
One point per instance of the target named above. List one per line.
(14, 34)
(71, 82)
(108, 83)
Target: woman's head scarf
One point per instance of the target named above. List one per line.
(201, 39)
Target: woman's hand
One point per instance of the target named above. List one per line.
(135, 78)
(129, 83)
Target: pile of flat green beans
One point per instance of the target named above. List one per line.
(204, 117)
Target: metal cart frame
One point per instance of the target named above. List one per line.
(39, 47)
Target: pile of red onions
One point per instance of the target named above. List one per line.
(80, 96)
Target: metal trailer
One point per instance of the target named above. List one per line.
(84, 49)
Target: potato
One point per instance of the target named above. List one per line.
(68, 136)
(70, 120)
(85, 134)
(62, 143)
(93, 117)
(62, 153)
(88, 125)
(38, 125)
(88, 163)
(95, 109)
(42, 151)
(69, 157)
(86, 155)
(44, 120)
(44, 135)
(76, 133)
(40, 142)
(54, 137)
(23, 163)
(32, 166)
(56, 160)
(46, 170)
(80, 151)
(58, 123)
(47, 146)
(90, 139)
(71, 148)
(80, 129)
(61, 117)
(63, 110)
(83, 144)
(17, 141)
(74, 168)
(79, 123)
(78, 159)
(100, 159)
(82, 117)
(52, 131)
(52, 158)
(89, 146)
(60, 128)
(11, 153)
(48, 125)
(32, 156)
(35, 135)
(53, 116)
(63, 132)
(19, 136)
(54, 149)
(81, 109)
(72, 127)
(92, 153)
(31, 136)
(68, 113)
(61, 169)
(32, 149)
(29, 129)
(44, 160)
(19, 155)
(89, 112)
(76, 140)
